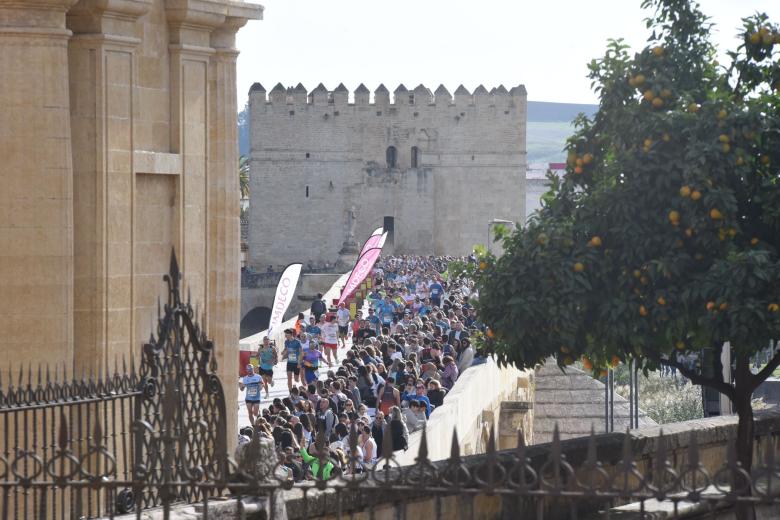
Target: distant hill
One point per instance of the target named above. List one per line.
(545, 111)
(549, 124)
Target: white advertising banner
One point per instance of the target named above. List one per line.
(284, 295)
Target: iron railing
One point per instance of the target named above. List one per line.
(126, 441)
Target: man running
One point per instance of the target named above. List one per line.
(330, 338)
(251, 382)
(268, 358)
(343, 318)
(292, 352)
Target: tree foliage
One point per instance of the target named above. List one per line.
(663, 234)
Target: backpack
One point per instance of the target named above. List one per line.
(341, 401)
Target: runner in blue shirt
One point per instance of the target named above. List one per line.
(251, 382)
(374, 321)
(436, 291)
(292, 352)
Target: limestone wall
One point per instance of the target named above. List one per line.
(472, 407)
(315, 155)
(119, 145)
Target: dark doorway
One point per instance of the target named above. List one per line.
(255, 320)
(391, 156)
(389, 227)
(415, 156)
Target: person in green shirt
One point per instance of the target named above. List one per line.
(314, 464)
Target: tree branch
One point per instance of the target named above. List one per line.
(765, 372)
(716, 384)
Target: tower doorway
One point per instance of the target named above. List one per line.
(389, 227)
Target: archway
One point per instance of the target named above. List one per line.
(255, 321)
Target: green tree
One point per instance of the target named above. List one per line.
(243, 176)
(663, 234)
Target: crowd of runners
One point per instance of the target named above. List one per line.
(408, 345)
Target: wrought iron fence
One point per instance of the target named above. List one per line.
(125, 441)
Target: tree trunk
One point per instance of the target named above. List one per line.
(744, 447)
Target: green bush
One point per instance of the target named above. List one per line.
(664, 399)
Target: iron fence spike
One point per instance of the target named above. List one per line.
(628, 455)
(455, 446)
(40, 374)
(660, 459)
(124, 364)
(29, 374)
(387, 442)
(491, 444)
(422, 453)
(62, 439)
(693, 450)
(591, 456)
(48, 375)
(21, 375)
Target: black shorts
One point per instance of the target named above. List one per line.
(344, 330)
(264, 372)
(250, 403)
(293, 367)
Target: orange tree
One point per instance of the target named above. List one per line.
(663, 234)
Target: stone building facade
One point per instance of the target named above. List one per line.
(433, 169)
(118, 143)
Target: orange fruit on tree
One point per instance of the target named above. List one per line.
(723, 306)
(637, 273)
(639, 79)
(658, 51)
(643, 280)
(726, 147)
(658, 102)
(579, 267)
(765, 160)
(642, 310)
(695, 195)
(685, 191)
(666, 137)
(578, 161)
(666, 93)
(648, 95)
(679, 345)
(689, 232)
(674, 217)
(578, 170)
(693, 108)
(595, 241)
(753, 241)
(587, 158)
(755, 38)
(490, 334)
(710, 306)
(723, 138)
(586, 364)
(722, 114)
(661, 300)
(715, 214)
(773, 307)
(482, 266)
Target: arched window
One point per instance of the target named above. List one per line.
(415, 156)
(391, 156)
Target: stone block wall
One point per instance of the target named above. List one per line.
(119, 145)
(315, 156)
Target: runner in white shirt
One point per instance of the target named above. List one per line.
(342, 318)
(330, 338)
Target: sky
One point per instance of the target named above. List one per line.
(544, 45)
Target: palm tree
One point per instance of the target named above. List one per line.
(243, 176)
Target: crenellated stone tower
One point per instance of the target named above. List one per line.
(432, 169)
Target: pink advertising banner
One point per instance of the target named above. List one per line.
(362, 269)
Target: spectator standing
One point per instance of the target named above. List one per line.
(318, 307)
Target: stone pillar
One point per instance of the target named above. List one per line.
(102, 62)
(224, 226)
(36, 176)
(514, 417)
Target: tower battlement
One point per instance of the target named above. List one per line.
(421, 96)
(432, 168)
